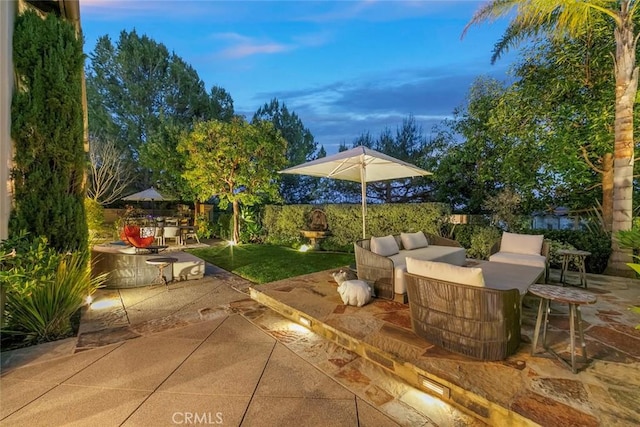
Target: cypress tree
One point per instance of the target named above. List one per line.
(47, 130)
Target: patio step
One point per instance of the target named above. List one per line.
(471, 403)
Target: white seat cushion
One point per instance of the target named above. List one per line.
(449, 254)
(522, 259)
(446, 272)
(521, 243)
(414, 240)
(384, 246)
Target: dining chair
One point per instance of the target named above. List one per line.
(172, 232)
(159, 235)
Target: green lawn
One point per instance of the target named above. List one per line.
(267, 263)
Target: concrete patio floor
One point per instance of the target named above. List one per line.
(206, 353)
(197, 355)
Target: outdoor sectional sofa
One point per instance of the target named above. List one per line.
(382, 260)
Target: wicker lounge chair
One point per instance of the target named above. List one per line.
(519, 249)
(474, 321)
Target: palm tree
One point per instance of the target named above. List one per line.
(570, 18)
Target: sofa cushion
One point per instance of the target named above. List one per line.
(449, 254)
(384, 246)
(446, 272)
(522, 259)
(414, 240)
(521, 243)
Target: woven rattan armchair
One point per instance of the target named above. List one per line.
(474, 321)
(379, 269)
(545, 252)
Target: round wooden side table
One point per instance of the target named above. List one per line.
(574, 298)
(567, 254)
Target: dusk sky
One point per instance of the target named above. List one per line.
(344, 67)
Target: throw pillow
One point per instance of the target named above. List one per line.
(527, 244)
(447, 272)
(384, 246)
(414, 240)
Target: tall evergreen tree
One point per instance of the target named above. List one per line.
(47, 127)
(135, 87)
(301, 147)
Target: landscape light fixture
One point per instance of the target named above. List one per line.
(434, 387)
(305, 322)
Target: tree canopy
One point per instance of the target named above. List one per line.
(301, 147)
(573, 19)
(235, 161)
(138, 93)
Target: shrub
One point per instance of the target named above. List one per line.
(44, 314)
(223, 226)
(204, 228)
(482, 239)
(47, 127)
(44, 288)
(250, 225)
(599, 244)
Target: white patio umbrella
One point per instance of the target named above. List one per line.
(148, 195)
(360, 164)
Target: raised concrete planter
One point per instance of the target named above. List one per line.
(131, 270)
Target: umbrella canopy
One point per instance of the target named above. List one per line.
(150, 194)
(360, 164)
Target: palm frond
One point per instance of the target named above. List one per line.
(490, 12)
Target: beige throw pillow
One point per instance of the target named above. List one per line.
(527, 244)
(414, 240)
(384, 246)
(447, 272)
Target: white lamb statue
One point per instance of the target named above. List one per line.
(352, 292)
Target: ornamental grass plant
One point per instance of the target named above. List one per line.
(44, 289)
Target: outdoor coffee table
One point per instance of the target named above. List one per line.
(161, 263)
(567, 254)
(575, 298)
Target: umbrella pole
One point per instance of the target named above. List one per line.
(363, 175)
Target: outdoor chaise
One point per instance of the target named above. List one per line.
(381, 260)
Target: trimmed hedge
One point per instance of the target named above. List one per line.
(282, 224)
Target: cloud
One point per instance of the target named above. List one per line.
(250, 49)
(115, 10)
(341, 111)
(243, 46)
